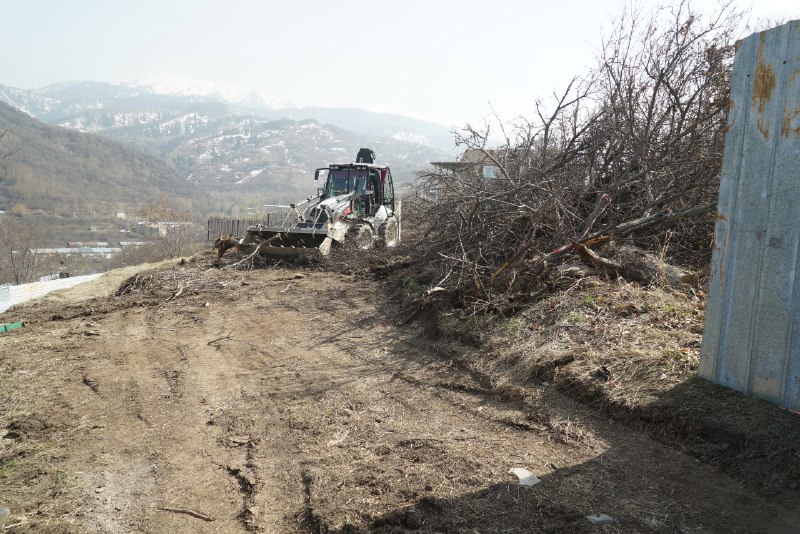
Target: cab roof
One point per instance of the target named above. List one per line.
(356, 166)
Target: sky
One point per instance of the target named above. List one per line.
(451, 62)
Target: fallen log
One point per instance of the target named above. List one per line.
(637, 265)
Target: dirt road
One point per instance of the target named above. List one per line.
(290, 401)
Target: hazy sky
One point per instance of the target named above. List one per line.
(441, 60)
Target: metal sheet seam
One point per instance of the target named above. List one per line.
(740, 113)
(774, 103)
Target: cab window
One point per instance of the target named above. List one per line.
(388, 189)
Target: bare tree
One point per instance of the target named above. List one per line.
(172, 228)
(18, 262)
(632, 149)
(11, 152)
(18, 259)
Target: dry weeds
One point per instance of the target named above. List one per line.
(633, 351)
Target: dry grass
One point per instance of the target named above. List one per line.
(632, 340)
(34, 430)
(633, 352)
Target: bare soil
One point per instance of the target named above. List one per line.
(290, 400)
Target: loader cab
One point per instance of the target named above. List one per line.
(370, 184)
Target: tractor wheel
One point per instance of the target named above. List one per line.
(387, 232)
(361, 236)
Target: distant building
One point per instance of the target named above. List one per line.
(78, 244)
(162, 228)
(472, 161)
(86, 252)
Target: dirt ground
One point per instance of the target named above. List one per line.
(292, 400)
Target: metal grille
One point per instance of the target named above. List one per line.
(218, 226)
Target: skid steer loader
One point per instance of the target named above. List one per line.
(355, 203)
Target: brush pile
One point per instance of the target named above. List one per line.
(629, 154)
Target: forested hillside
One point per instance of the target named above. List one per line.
(55, 169)
(235, 144)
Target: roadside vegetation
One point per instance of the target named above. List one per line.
(169, 232)
(628, 153)
(582, 265)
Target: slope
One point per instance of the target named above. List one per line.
(183, 403)
(55, 168)
(202, 133)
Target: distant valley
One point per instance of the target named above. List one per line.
(216, 143)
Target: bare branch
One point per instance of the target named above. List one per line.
(644, 128)
(7, 154)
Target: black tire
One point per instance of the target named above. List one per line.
(360, 236)
(387, 233)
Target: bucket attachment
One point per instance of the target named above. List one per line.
(294, 242)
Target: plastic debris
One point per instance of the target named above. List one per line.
(12, 326)
(4, 513)
(526, 478)
(601, 519)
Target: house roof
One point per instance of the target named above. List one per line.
(87, 244)
(472, 157)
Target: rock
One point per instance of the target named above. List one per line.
(413, 520)
(601, 519)
(240, 440)
(4, 513)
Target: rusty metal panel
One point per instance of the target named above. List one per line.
(752, 327)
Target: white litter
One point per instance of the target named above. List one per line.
(601, 519)
(526, 478)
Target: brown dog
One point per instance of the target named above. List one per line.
(225, 243)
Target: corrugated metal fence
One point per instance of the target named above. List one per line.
(13, 295)
(752, 327)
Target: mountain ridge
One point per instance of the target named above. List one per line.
(63, 100)
(218, 146)
(54, 168)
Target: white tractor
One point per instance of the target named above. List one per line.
(356, 204)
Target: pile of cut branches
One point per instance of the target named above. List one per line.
(165, 285)
(632, 152)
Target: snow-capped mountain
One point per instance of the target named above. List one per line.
(251, 154)
(218, 142)
(166, 84)
(32, 103)
(159, 95)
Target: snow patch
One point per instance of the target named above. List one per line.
(252, 174)
(410, 137)
(168, 84)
